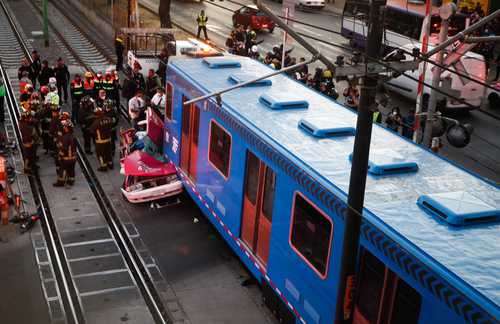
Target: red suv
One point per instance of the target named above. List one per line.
(251, 16)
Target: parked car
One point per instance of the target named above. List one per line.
(311, 4)
(251, 16)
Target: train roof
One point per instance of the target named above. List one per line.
(468, 255)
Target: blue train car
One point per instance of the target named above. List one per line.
(270, 169)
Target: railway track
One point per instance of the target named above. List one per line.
(92, 253)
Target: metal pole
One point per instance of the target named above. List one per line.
(45, 23)
(284, 40)
(426, 31)
(359, 170)
(482, 39)
(436, 79)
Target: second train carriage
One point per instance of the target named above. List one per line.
(270, 169)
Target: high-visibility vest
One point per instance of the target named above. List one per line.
(202, 20)
(77, 88)
(52, 98)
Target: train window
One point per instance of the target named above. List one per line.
(219, 153)
(170, 99)
(268, 199)
(406, 307)
(311, 234)
(370, 289)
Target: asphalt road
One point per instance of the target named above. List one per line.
(481, 156)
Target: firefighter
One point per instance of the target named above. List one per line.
(108, 85)
(66, 155)
(85, 119)
(24, 98)
(44, 115)
(101, 129)
(28, 133)
(99, 102)
(112, 113)
(119, 47)
(88, 85)
(98, 83)
(202, 24)
(54, 129)
(77, 92)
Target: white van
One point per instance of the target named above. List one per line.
(312, 4)
(471, 92)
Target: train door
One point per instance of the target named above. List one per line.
(258, 202)
(189, 138)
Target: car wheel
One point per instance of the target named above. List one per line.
(494, 100)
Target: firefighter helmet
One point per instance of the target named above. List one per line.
(64, 116)
(44, 90)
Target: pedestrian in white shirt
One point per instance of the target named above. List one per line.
(135, 106)
(159, 98)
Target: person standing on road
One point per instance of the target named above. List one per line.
(135, 106)
(36, 67)
(46, 73)
(67, 156)
(28, 133)
(77, 92)
(101, 129)
(119, 48)
(202, 24)
(88, 85)
(162, 65)
(152, 83)
(62, 78)
(2, 96)
(85, 119)
(351, 95)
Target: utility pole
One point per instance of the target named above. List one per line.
(425, 33)
(45, 23)
(359, 169)
(445, 11)
(133, 14)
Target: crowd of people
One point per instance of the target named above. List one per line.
(94, 104)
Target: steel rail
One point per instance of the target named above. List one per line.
(136, 266)
(54, 245)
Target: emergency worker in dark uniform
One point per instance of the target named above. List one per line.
(54, 129)
(28, 133)
(66, 155)
(109, 85)
(85, 119)
(112, 113)
(44, 116)
(77, 93)
(101, 129)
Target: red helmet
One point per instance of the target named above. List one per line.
(44, 90)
